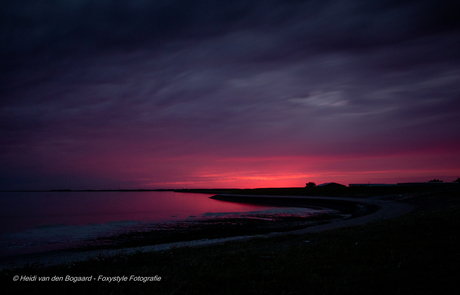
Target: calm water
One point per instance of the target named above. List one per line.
(33, 222)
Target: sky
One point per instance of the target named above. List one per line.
(107, 94)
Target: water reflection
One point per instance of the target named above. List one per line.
(21, 211)
(35, 222)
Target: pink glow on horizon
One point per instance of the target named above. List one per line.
(125, 167)
(345, 172)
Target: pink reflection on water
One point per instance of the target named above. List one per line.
(37, 222)
(21, 211)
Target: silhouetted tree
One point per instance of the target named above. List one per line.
(458, 180)
(435, 180)
(311, 184)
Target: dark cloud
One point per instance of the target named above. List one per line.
(55, 27)
(168, 79)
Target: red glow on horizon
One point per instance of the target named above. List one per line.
(274, 181)
(127, 170)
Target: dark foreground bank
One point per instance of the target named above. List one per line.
(413, 254)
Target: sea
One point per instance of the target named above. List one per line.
(34, 222)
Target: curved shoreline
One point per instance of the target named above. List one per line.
(386, 210)
(352, 206)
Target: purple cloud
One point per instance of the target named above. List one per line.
(101, 81)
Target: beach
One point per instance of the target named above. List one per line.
(343, 212)
(409, 245)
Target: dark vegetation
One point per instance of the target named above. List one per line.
(414, 254)
(435, 180)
